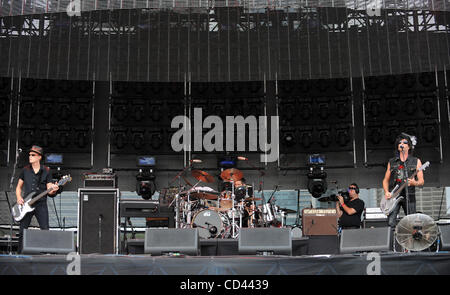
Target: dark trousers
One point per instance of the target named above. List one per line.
(41, 213)
(392, 219)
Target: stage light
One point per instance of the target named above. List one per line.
(145, 183)
(317, 184)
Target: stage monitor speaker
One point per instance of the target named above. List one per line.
(365, 240)
(48, 241)
(445, 237)
(98, 220)
(159, 241)
(259, 240)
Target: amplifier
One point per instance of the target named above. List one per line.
(319, 222)
(374, 213)
(100, 180)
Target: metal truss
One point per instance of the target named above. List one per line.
(240, 19)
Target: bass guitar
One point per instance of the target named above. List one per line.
(19, 211)
(387, 205)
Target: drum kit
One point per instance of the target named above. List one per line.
(223, 214)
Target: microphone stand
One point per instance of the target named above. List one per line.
(177, 203)
(407, 186)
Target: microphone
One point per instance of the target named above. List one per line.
(242, 158)
(401, 146)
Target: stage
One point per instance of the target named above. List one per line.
(420, 263)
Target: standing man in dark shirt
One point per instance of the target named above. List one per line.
(399, 167)
(350, 212)
(35, 178)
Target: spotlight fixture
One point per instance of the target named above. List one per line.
(317, 184)
(145, 183)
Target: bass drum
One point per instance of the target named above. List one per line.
(210, 224)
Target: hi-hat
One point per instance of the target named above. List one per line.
(287, 210)
(231, 174)
(202, 176)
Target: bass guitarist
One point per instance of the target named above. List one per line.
(403, 165)
(35, 178)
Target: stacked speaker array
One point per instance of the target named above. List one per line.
(56, 115)
(403, 103)
(141, 117)
(316, 116)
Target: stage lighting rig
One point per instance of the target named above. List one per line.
(317, 184)
(145, 179)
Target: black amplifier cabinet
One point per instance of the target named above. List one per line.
(98, 221)
(100, 180)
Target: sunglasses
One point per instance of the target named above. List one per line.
(352, 188)
(33, 155)
(404, 142)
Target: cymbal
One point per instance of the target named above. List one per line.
(202, 176)
(231, 174)
(205, 195)
(286, 210)
(253, 199)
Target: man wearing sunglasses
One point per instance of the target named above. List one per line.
(403, 165)
(35, 178)
(349, 212)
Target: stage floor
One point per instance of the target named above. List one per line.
(417, 263)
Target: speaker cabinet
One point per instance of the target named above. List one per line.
(254, 240)
(445, 237)
(366, 240)
(159, 241)
(48, 241)
(98, 220)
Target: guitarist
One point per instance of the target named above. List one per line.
(395, 174)
(35, 178)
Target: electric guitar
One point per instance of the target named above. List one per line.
(19, 211)
(387, 205)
